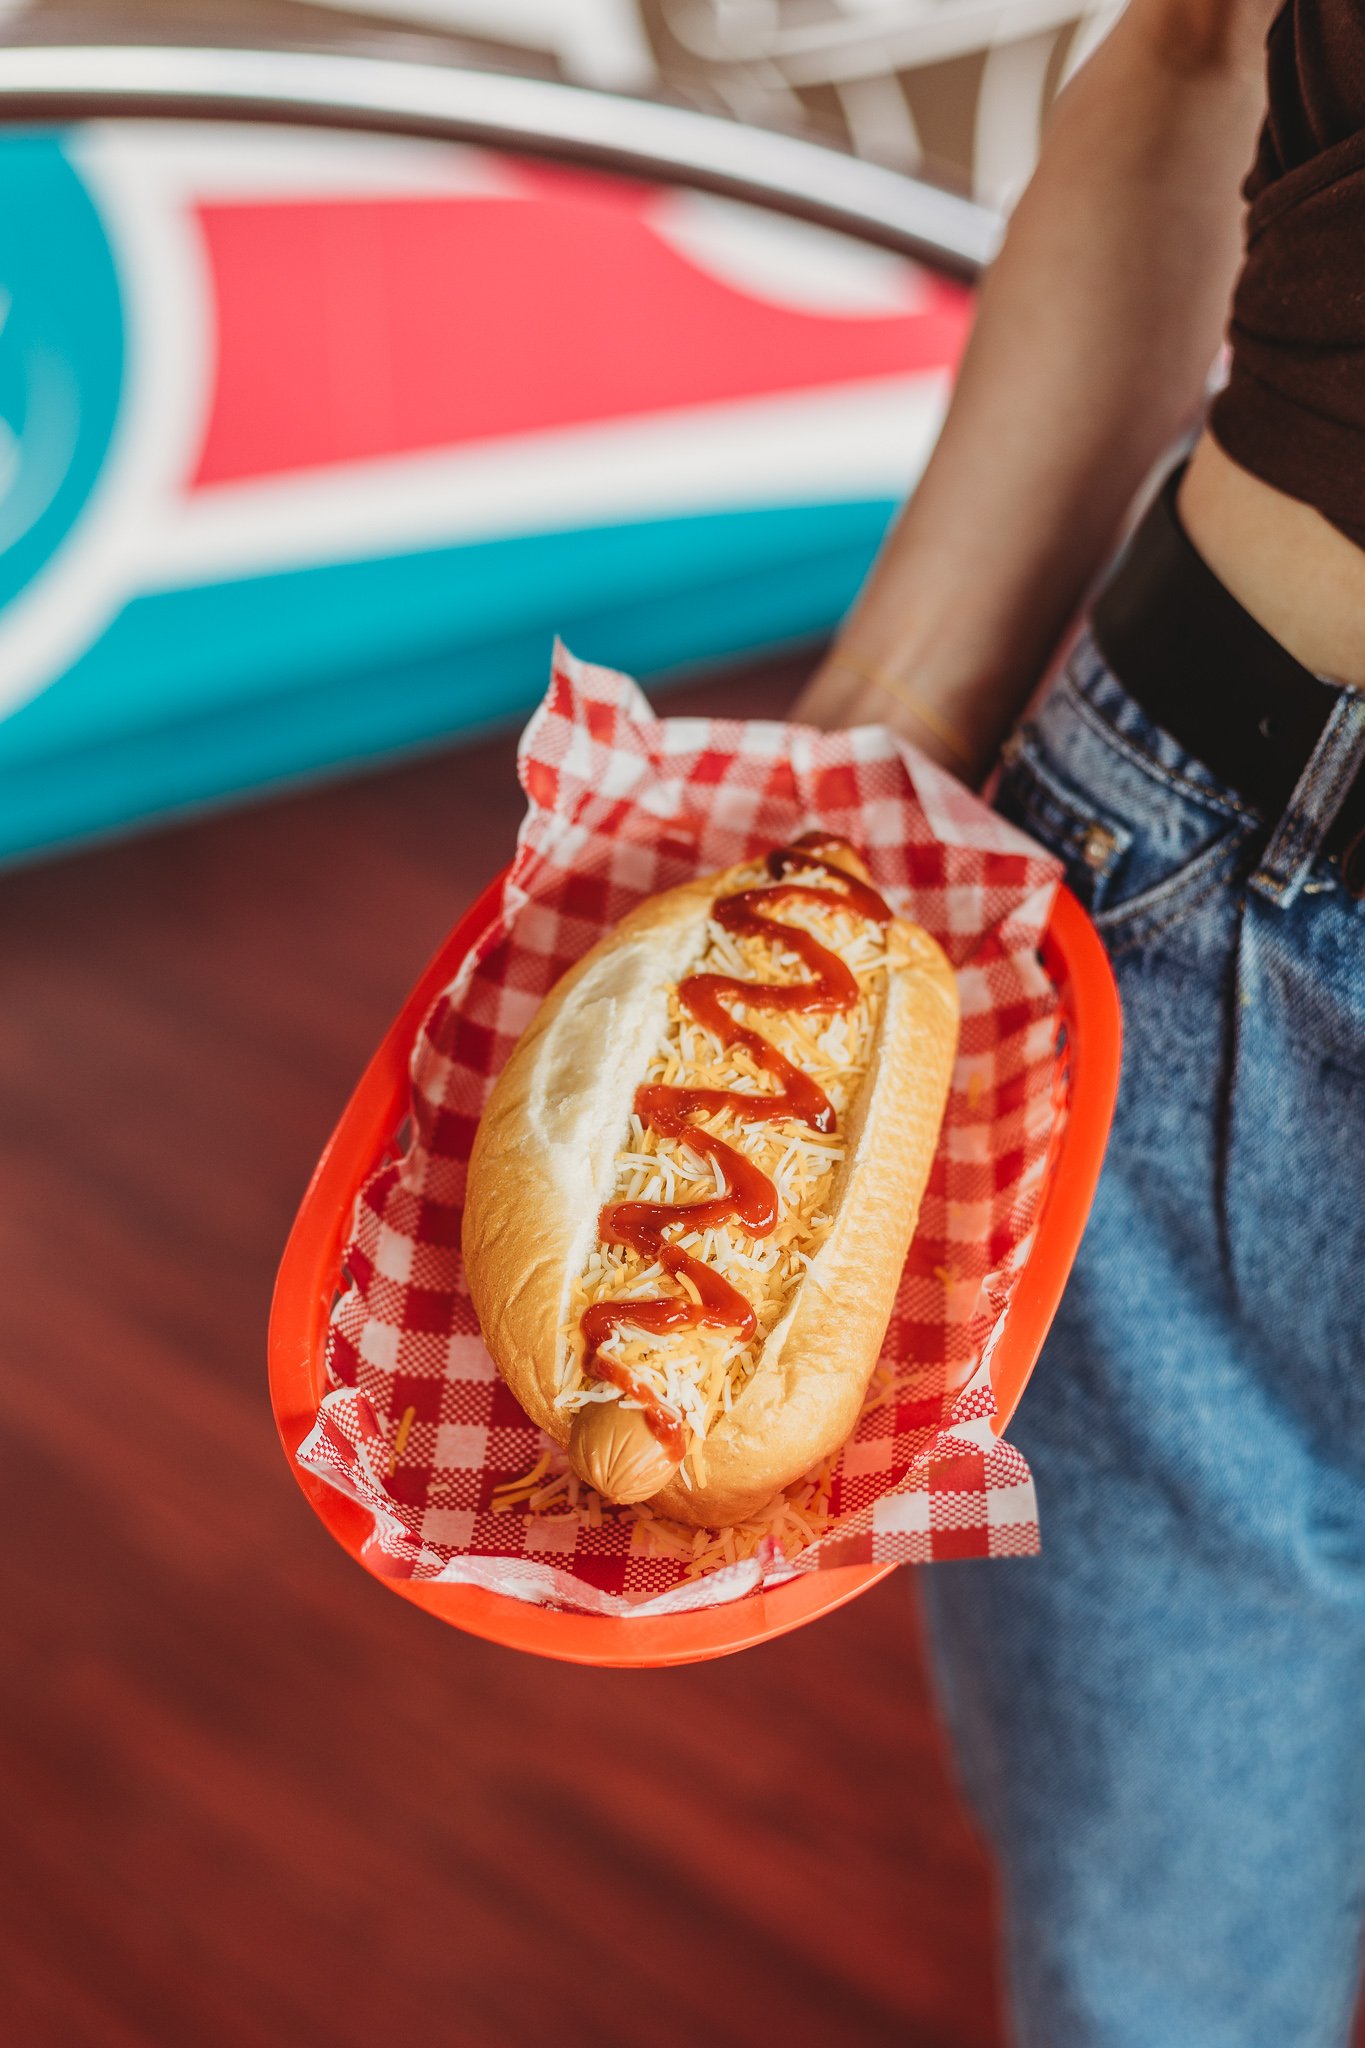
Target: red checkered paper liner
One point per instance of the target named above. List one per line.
(416, 1424)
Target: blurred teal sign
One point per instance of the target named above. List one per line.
(309, 445)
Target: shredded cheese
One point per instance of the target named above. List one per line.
(798, 1517)
(401, 1438)
(700, 1373)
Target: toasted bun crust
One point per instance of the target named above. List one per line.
(543, 1164)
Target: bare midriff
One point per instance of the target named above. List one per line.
(706, 1298)
(1297, 575)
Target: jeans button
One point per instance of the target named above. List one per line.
(1098, 846)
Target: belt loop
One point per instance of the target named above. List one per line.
(1318, 796)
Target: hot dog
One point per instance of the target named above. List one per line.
(694, 1185)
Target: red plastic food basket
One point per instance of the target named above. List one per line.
(1087, 1079)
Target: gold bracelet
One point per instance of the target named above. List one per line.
(925, 713)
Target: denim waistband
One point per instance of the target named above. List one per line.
(1089, 675)
(1161, 573)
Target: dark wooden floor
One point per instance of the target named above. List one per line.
(246, 1795)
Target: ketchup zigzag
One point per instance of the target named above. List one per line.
(750, 1198)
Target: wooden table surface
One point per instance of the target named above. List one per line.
(248, 1796)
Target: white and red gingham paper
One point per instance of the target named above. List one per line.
(417, 1426)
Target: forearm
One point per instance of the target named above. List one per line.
(1094, 335)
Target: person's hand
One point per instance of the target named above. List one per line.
(846, 691)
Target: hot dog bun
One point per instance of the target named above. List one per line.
(545, 1162)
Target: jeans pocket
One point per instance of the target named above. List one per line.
(1071, 822)
(1144, 832)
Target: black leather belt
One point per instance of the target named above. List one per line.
(1202, 668)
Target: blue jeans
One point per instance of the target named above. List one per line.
(1161, 1721)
